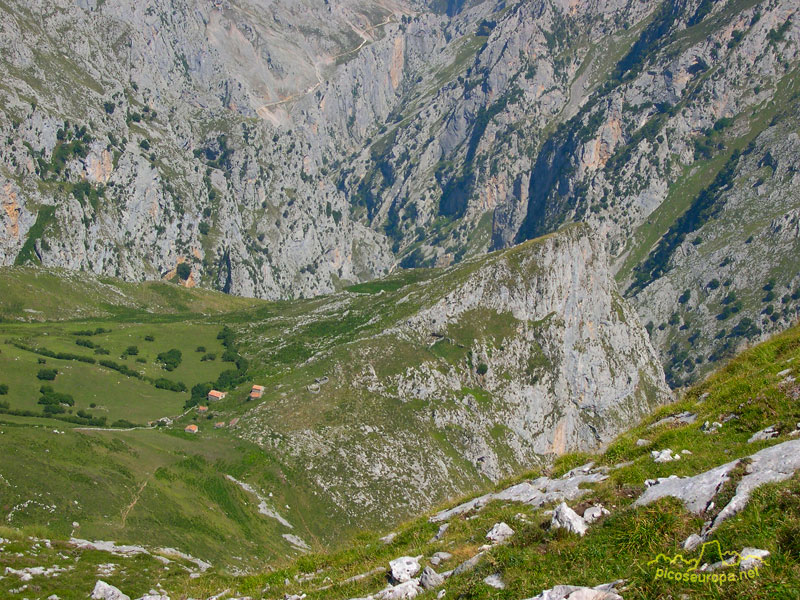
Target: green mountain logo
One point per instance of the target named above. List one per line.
(710, 553)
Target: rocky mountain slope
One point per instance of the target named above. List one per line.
(706, 489)
(283, 149)
(381, 400)
(473, 374)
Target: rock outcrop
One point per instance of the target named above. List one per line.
(776, 463)
(506, 361)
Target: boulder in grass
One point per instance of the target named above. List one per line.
(566, 518)
(104, 591)
(499, 533)
(752, 558)
(495, 581)
(606, 591)
(430, 579)
(404, 568)
(403, 591)
(591, 514)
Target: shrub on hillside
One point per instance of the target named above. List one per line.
(52, 398)
(165, 384)
(3, 389)
(184, 271)
(170, 359)
(47, 374)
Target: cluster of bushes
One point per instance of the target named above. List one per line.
(6, 409)
(83, 191)
(54, 404)
(54, 407)
(219, 157)
(90, 332)
(124, 369)
(98, 349)
(231, 377)
(199, 394)
(165, 384)
(72, 142)
(57, 355)
(51, 397)
(47, 374)
(170, 359)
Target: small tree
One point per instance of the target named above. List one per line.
(3, 389)
(170, 359)
(132, 350)
(47, 374)
(483, 368)
(184, 271)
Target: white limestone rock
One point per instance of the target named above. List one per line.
(430, 579)
(752, 557)
(404, 568)
(593, 513)
(402, 591)
(499, 533)
(663, 456)
(765, 434)
(495, 581)
(776, 463)
(104, 591)
(439, 558)
(607, 591)
(566, 518)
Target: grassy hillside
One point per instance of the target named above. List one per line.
(183, 472)
(35, 294)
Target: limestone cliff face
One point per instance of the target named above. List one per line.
(501, 362)
(286, 148)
